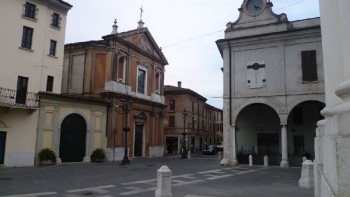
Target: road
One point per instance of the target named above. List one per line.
(200, 176)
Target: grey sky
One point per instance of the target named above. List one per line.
(185, 29)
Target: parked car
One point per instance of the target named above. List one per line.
(210, 150)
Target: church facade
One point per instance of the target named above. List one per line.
(273, 86)
(125, 69)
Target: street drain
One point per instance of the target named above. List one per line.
(87, 193)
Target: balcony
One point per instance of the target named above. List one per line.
(157, 98)
(9, 98)
(117, 87)
(121, 88)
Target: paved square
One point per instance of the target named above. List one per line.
(195, 177)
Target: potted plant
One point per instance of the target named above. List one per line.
(47, 156)
(98, 155)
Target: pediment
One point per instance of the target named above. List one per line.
(143, 40)
(140, 39)
(248, 19)
(140, 116)
(251, 23)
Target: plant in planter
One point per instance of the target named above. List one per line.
(98, 155)
(47, 156)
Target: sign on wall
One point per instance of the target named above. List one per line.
(256, 74)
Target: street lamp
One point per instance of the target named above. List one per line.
(183, 149)
(126, 108)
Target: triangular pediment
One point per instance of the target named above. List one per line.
(141, 39)
(140, 116)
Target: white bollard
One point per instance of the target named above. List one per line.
(189, 154)
(266, 160)
(163, 182)
(219, 155)
(307, 175)
(250, 160)
(304, 158)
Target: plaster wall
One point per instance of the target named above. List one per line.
(21, 128)
(282, 59)
(35, 63)
(53, 112)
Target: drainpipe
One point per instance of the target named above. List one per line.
(84, 68)
(230, 83)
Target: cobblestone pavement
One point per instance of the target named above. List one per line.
(196, 177)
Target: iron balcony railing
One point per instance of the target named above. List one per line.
(13, 99)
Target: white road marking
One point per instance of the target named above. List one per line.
(136, 190)
(99, 189)
(148, 181)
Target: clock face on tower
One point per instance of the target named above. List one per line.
(254, 7)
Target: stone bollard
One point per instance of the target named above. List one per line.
(163, 182)
(250, 160)
(219, 155)
(189, 154)
(266, 160)
(307, 175)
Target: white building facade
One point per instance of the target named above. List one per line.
(31, 60)
(273, 86)
(332, 143)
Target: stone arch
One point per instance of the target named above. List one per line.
(75, 111)
(264, 101)
(301, 125)
(299, 100)
(257, 132)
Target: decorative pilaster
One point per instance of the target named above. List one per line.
(284, 161)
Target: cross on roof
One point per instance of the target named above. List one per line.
(141, 10)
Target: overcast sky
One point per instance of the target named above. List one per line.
(186, 30)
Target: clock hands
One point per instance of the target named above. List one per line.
(257, 8)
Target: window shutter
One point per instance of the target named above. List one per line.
(309, 65)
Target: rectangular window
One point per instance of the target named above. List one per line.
(53, 44)
(122, 69)
(172, 104)
(157, 83)
(309, 65)
(27, 37)
(49, 83)
(171, 121)
(29, 10)
(141, 81)
(55, 22)
(21, 94)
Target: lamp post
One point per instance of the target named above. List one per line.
(126, 129)
(183, 149)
